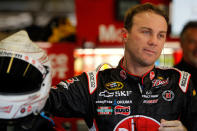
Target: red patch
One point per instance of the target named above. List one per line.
(29, 108)
(123, 74)
(26, 58)
(122, 110)
(33, 61)
(70, 81)
(138, 123)
(152, 75)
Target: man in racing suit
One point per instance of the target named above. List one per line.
(116, 99)
(136, 95)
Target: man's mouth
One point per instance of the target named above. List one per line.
(149, 51)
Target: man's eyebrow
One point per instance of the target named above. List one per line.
(163, 32)
(151, 29)
(145, 28)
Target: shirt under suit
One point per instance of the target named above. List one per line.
(115, 99)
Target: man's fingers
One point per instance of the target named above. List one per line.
(162, 120)
(168, 129)
(174, 123)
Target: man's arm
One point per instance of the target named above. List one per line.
(70, 98)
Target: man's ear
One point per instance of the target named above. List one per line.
(124, 34)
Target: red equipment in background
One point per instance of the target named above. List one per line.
(62, 60)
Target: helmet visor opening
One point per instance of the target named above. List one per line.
(18, 76)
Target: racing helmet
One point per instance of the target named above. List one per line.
(25, 77)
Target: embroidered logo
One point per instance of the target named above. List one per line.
(158, 82)
(114, 85)
(168, 95)
(122, 110)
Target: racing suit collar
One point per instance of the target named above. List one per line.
(124, 73)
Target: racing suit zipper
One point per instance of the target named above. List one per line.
(140, 87)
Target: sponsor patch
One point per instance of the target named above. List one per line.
(68, 82)
(168, 95)
(123, 74)
(106, 93)
(150, 95)
(122, 110)
(184, 81)
(114, 85)
(63, 84)
(29, 108)
(10, 54)
(92, 81)
(104, 110)
(23, 110)
(122, 102)
(152, 75)
(104, 102)
(5, 109)
(137, 123)
(150, 101)
(71, 80)
(159, 82)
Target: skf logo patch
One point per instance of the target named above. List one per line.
(104, 110)
(114, 85)
(105, 93)
(122, 110)
(168, 95)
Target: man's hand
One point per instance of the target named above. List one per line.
(174, 125)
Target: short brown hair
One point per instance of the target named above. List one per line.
(128, 20)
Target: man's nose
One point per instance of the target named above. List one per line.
(153, 40)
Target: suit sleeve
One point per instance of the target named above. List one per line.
(186, 116)
(71, 98)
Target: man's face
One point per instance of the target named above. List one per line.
(145, 39)
(189, 46)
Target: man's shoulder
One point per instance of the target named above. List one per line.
(168, 69)
(181, 77)
(172, 71)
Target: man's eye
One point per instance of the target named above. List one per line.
(146, 32)
(161, 36)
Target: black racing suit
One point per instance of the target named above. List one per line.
(114, 99)
(183, 65)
